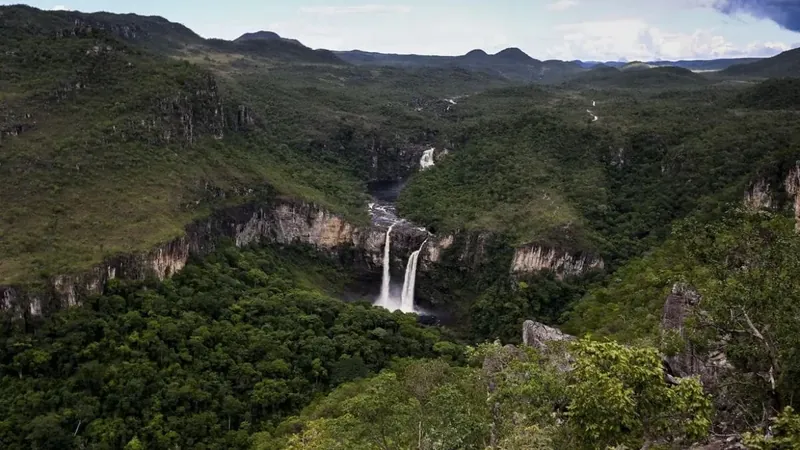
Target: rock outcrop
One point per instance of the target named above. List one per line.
(539, 335)
(678, 307)
(759, 196)
(533, 259)
(793, 189)
(282, 221)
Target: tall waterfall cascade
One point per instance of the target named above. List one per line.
(427, 159)
(385, 299)
(405, 302)
(407, 299)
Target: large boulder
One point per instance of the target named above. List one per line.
(539, 335)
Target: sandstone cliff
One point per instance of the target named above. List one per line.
(534, 258)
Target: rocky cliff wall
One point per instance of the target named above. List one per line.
(282, 221)
(793, 189)
(532, 259)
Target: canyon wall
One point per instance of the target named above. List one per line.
(282, 221)
(532, 259)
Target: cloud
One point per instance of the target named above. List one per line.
(636, 39)
(561, 5)
(356, 9)
(59, 8)
(785, 13)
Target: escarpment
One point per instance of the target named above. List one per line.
(282, 222)
(534, 258)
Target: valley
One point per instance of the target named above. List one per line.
(254, 244)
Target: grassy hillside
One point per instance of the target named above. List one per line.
(136, 128)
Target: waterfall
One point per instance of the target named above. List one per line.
(427, 159)
(384, 299)
(407, 300)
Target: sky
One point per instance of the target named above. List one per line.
(606, 30)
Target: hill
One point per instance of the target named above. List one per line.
(139, 116)
(264, 36)
(512, 64)
(699, 65)
(640, 76)
(786, 64)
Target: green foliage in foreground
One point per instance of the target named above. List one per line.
(510, 399)
(225, 349)
(746, 270)
(784, 433)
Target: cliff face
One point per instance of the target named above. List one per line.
(533, 259)
(282, 222)
(759, 196)
(793, 189)
(678, 307)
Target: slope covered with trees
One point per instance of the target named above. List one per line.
(138, 127)
(225, 349)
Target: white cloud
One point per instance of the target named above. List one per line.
(561, 5)
(636, 39)
(356, 9)
(59, 8)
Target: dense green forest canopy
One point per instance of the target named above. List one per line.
(225, 349)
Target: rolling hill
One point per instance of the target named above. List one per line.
(511, 63)
(786, 64)
(638, 75)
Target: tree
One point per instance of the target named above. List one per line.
(618, 396)
(749, 277)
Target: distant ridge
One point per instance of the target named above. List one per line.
(477, 53)
(265, 36)
(786, 64)
(516, 55)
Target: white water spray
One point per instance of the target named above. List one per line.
(407, 300)
(385, 296)
(427, 159)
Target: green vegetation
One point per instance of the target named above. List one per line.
(139, 126)
(517, 400)
(117, 146)
(225, 349)
(535, 171)
(640, 76)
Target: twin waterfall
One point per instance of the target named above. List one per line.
(406, 301)
(386, 214)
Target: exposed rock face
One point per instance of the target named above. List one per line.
(759, 196)
(678, 307)
(533, 259)
(793, 188)
(433, 251)
(283, 222)
(539, 335)
(192, 113)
